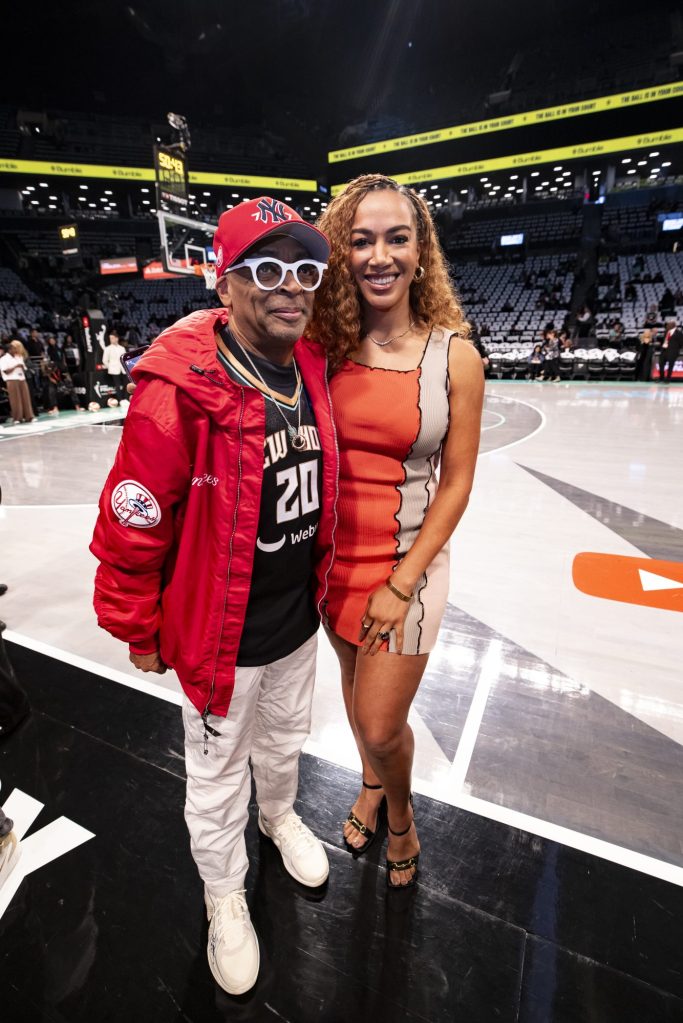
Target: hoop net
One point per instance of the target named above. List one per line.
(208, 272)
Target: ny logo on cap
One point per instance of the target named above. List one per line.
(271, 209)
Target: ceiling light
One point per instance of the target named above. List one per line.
(43, 184)
(558, 168)
(513, 177)
(145, 202)
(627, 159)
(641, 163)
(554, 188)
(34, 202)
(316, 199)
(235, 195)
(654, 154)
(463, 191)
(632, 171)
(54, 198)
(483, 179)
(203, 205)
(93, 205)
(545, 183)
(667, 163)
(206, 193)
(30, 188)
(595, 173)
(566, 184)
(437, 196)
(108, 192)
(433, 186)
(144, 189)
(52, 206)
(519, 190)
(307, 207)
(656, 170)
(538, 188)
(439, 205)
(534, 174)
(82, 187)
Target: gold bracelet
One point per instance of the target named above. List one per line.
(397, 593)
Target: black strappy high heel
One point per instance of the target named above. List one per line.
(362, 828)
(408, 864)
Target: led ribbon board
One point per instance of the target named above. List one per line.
(584, 150)
(618, 101)
(142, 174)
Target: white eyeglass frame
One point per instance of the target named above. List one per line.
(253, 263)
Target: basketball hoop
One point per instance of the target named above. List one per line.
(208, 272)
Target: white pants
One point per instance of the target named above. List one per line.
(268, 721)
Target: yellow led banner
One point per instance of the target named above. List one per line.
(618, 101)
(92, 170)
(75, 170)
(252, 181)
(584, 150)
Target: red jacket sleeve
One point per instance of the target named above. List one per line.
(135, 527)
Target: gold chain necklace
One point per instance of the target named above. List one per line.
(297, 439)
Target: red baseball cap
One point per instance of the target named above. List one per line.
(244, 225)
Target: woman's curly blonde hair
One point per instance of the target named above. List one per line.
(337, 321)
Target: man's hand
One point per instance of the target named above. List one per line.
(148, 662)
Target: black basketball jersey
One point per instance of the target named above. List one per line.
(281, 611)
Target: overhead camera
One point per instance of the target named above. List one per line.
(181, 127)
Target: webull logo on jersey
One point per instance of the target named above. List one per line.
(304, 534)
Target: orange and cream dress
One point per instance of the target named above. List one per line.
(391, 425)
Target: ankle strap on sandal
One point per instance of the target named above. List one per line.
(366, 786)
(399, 833)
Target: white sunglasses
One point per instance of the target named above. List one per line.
(269, 272)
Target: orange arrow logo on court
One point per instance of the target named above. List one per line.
(630, 580)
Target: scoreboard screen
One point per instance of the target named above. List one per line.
(171, 174)
(69, 241)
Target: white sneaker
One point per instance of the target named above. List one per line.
(10, 851)
(233, 950)
(302, 853)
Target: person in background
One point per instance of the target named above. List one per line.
(475, 338)
(535, 362)
(670, 351)
(644, 356)
(13, 370)
(551, 353)
(584, 322)
(111, 360)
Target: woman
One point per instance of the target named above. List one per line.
(644, 356)
(535, 361)
(13, 369)
(407, 391)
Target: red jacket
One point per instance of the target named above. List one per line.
(178, 520)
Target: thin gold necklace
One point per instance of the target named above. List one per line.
(397, 337)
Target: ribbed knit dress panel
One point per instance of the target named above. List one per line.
(391, 425)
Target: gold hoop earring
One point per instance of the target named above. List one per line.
(419, 274)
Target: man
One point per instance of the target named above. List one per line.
(111, 360)
(670, 351)
(220, 499)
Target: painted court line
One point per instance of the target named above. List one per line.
(112, 674)
(449, 793)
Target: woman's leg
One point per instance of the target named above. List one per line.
(366, 806)
(383, 690)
